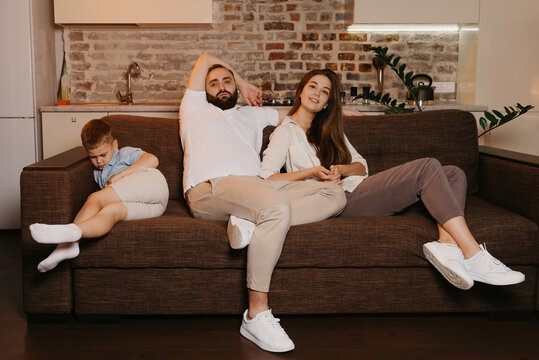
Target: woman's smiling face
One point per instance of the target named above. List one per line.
(315, 94)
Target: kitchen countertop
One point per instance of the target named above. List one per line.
(163, 107)
(105, 107)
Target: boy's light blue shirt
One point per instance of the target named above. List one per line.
(121, 159)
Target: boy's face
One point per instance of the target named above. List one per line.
(102, 154)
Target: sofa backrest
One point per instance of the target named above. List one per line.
(385, 141)
(389, 140)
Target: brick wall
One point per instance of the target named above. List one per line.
(272, 43)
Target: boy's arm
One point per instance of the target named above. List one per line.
(197, 80)
(146, 160)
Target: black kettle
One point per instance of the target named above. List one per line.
(422, 92)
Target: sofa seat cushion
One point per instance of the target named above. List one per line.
(177, 240)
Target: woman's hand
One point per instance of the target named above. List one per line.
(325, 175)
(335, 175)
(321, 173)
(335, 171)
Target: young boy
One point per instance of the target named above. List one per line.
(131, 189)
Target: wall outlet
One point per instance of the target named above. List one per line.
(444, 87)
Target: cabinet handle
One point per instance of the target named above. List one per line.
(73, 119)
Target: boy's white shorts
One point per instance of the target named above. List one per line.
(144, 193)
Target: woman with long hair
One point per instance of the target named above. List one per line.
(312, 145)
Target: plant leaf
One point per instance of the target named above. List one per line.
(408, 76)
(498, 114)
(483, 123)
(491, 117)
(401, 68)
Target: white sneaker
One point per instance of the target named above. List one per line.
(486, 268)
(240, 232)
(447, 259)
(266, 332)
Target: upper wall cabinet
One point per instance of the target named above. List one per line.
(142, 13)
(412, 11)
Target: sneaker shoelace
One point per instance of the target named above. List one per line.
(272, 324)
(494, 264)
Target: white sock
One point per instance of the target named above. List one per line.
(55, 234)
(62, 252)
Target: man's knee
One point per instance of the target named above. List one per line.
(276, 210)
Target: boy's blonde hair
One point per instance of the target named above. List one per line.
(95, 132)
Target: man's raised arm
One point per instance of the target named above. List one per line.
(197, 81)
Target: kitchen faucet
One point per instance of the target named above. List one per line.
(133, 70)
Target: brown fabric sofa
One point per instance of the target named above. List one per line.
(176, 264)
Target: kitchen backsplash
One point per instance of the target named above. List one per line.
(271, 43)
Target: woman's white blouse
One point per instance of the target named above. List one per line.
(289, 146)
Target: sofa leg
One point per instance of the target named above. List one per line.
(511, 315)
(99, 319)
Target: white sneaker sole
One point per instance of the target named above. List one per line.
(260, 344)
(515, 280)
(458, 280)
(239, 234)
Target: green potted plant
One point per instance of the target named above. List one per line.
(490, 121)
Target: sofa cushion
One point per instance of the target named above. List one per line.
(178, 240)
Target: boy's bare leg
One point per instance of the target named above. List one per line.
(96, 226)
(96, 202)
(57, 234)
(103, 222)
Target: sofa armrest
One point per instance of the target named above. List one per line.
(52, 192)
(509, 179)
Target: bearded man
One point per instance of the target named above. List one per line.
(222, 143)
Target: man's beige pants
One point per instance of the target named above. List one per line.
(273, 206)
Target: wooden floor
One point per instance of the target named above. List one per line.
(316, 337)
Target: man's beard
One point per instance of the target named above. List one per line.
(224, 104)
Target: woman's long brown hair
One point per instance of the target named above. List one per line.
(326, 132)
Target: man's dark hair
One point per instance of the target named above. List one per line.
(218, 66)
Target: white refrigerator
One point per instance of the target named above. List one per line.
(18, 132)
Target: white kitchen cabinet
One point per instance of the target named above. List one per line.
(412, 12)
(128, 12)
(61, 130)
